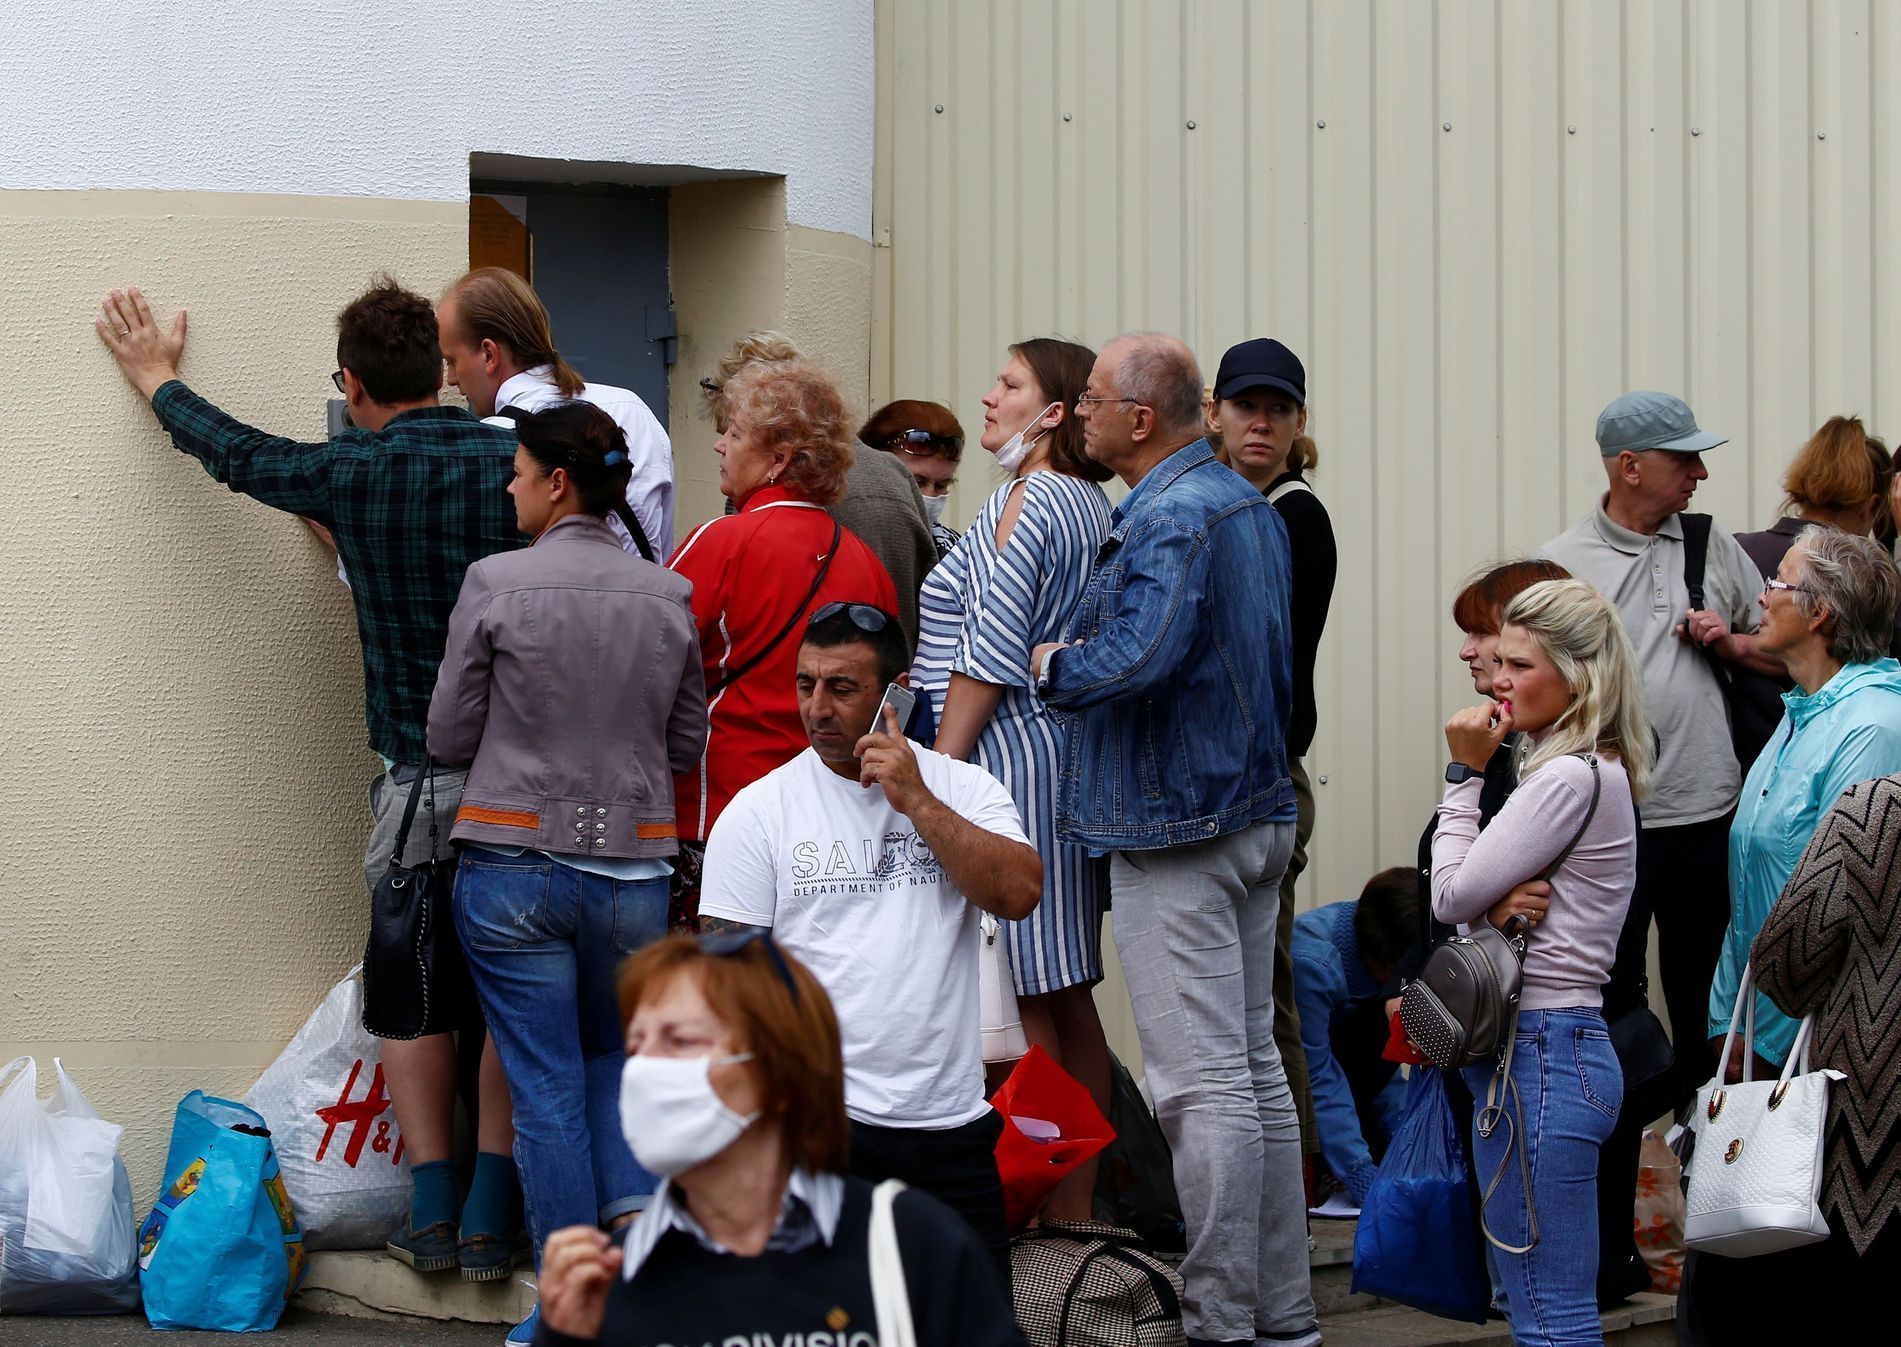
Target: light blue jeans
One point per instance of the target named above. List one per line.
(1194, 928)
(544, 942)
(1570, 1088)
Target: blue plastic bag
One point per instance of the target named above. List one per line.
(1418, 1241)
(221, 1249)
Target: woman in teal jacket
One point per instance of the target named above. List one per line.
(1828, 615)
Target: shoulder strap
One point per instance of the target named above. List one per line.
(1696, 555)
(427, 774)
(732, 676)
(1297, 484)
(1597, 789)
(890, 1296)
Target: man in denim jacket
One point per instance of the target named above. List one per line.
(1175, 690)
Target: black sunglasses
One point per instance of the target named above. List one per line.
(924, 443)
(863, 616)
(725, 944)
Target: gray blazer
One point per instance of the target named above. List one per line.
(572, 689)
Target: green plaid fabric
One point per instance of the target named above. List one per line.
(411, 506)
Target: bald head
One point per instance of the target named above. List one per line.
(1160, 372)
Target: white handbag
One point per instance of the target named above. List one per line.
(1756, 1171)
(1003, 1036)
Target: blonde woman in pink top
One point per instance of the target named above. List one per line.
(1567, 680)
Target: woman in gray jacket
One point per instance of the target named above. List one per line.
(572, 689)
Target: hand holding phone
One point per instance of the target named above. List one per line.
(899, 699)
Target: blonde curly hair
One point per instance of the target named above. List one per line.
(748, 350)
(794, 405)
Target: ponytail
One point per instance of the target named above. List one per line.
(584, 442)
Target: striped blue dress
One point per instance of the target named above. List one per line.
(982, 612)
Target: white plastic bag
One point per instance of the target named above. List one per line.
(66, 1242)
(334, 1129)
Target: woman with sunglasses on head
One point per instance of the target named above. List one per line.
(927, 439)
(1008, 586)
(733, 1089)
(884, 504)
(758, 573)
(567, 821)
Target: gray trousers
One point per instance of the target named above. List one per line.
(1194, 927)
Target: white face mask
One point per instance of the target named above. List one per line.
(670, 1114)
(1016, 448)
(934, 508)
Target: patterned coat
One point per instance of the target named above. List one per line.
(1832, 946)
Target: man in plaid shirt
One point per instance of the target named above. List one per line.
(412, 494)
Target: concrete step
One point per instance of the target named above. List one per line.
(372, 1285)
(1644, 1321)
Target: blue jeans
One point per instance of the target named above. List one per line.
(544, 942)
(1570, 1087)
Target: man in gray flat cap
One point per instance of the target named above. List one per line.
(1632, 549)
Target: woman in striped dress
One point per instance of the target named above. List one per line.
(1008, 586)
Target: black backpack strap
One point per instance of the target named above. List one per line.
(1696, 555)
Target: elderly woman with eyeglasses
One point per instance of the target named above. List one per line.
(1827, 614)
(733, 1089)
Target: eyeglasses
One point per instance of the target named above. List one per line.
(726, 944)
(1783, 586)
(924, 443)
(863, 616)
(336, 377)
(708, 386)
(1091, 400)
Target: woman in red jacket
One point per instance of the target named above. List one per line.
(757, 574)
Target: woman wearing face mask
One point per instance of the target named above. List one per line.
(567, 821)
(928, 440)
(734, 1090)
(1007, 587)
(1567, 681)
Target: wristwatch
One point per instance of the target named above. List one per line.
(1458, 771)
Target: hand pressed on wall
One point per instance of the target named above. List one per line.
(148, 356)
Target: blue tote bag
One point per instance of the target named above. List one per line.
(221, 1249)
(1418, 1241)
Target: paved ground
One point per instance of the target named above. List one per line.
(298, 1326)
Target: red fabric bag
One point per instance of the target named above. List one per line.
(1041, 1092)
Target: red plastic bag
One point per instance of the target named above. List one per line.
(1050, 1125)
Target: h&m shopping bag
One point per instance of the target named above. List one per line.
(1050, 1125)
(66, 1242)
(221, 1250)
(334, 1130)
(1418, 1240)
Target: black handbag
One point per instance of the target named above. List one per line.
(415, 981)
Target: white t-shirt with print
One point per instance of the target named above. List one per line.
(850, 889)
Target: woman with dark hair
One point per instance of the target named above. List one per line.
(929, 441)
(1008, 586)
(758, 573)
(734, 1090)
(567, 820)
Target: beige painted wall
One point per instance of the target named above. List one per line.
(186, 762)
(187, 765)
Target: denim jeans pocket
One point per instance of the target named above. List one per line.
(502, 905)
(1598, 1073)
(640, 913)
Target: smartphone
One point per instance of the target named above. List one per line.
(900, 699)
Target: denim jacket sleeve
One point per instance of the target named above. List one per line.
(1320, 985)
(1140, 618)
(458, 710)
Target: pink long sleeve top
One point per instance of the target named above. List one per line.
(1568, 954)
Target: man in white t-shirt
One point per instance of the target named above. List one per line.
(498, 348)
(868, 857)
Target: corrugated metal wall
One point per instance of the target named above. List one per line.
(1476, 222)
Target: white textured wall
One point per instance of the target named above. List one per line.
(383, 99)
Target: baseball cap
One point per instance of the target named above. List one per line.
(1261, 363)
(1639, 421)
